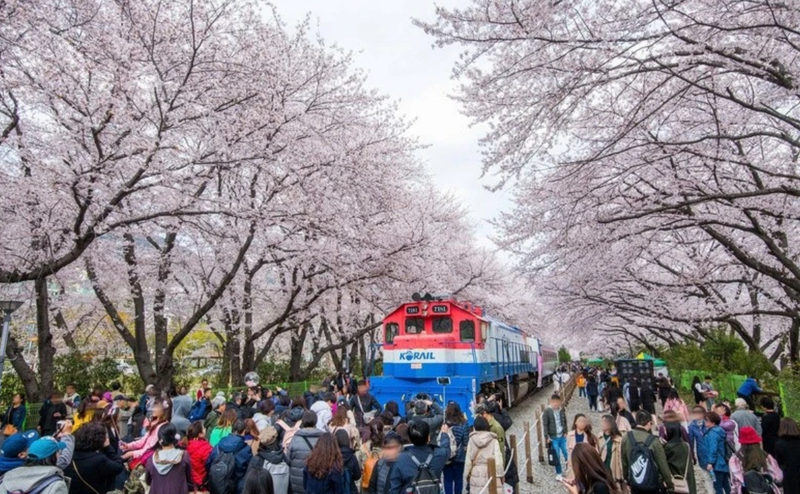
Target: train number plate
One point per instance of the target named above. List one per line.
(416, 366)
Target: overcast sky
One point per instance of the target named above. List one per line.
(401, 62)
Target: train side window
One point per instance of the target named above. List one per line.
(391, 331)
(442, 325)
(467, 331)
(415, 325)
(484, 331)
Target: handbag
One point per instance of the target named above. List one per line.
(681, 483)
(87, 484)
(552, 459)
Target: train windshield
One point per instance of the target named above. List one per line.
(467, 331)
(391, 331)
(442, 325)
(415, 325)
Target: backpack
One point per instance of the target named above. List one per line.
(369, 466)
(643, 471)
(220, 474)
(279, 472)
(425, 482)
(199, 411)
(756, 482)
(288, 433)
(453, 445)
(41, 485)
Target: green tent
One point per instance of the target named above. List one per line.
(595, 361)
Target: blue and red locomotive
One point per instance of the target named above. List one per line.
(452, 351)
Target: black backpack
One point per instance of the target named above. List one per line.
(425, 482)
(756, 482)
(642, 468)
(221, 473)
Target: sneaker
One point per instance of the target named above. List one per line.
(559, 477)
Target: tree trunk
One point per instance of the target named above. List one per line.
(47, 351)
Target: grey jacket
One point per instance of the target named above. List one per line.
(181, 407)
(25, 479)
(746, 418)
(549, 423)
(434, 419)
(302, 443)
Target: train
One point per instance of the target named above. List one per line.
(453, 350)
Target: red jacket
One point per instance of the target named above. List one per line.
(199, 451)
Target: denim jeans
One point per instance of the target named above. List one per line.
(560, 447)
(454, 478)
(722, 482)
(581, 392)
(593, 403)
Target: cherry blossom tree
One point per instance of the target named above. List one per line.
(652, 137)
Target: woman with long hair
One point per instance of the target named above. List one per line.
(676, 404)
(454, 470)
(324, 470)
(752, 456)
(341, 420)
(258, 481)
(610, 446)
(140, 450)
(251, 435)
(679, 455)
(581, 432)
(590, 476)
(169, 469)
(697, 390)
(198, 450)
(223, 428)
(622, 422)
(84, 414)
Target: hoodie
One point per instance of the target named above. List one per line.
(242, 453)
(26, 479)
(169, 471)
(8, 464)
(181, 406)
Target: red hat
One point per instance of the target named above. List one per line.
(748, 435)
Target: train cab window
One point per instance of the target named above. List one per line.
(391, 331)
(415, 325)
(442, 325)
(467, 331)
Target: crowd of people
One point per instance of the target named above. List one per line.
(258, 441)
(637, 451)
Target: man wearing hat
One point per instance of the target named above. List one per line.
(15, 450)
(41, 472)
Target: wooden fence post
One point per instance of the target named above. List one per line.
(539, 435)
(514, 456)
(528, 454)
(492, 476)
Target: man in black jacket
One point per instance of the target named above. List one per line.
(52, 411)
(364, 405)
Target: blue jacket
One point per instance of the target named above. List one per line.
(16, 417)
(241, 452)
(749, 387)
(697, 431)
(715, 443)
(461, 433)
(332, 484)
(405, 469)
